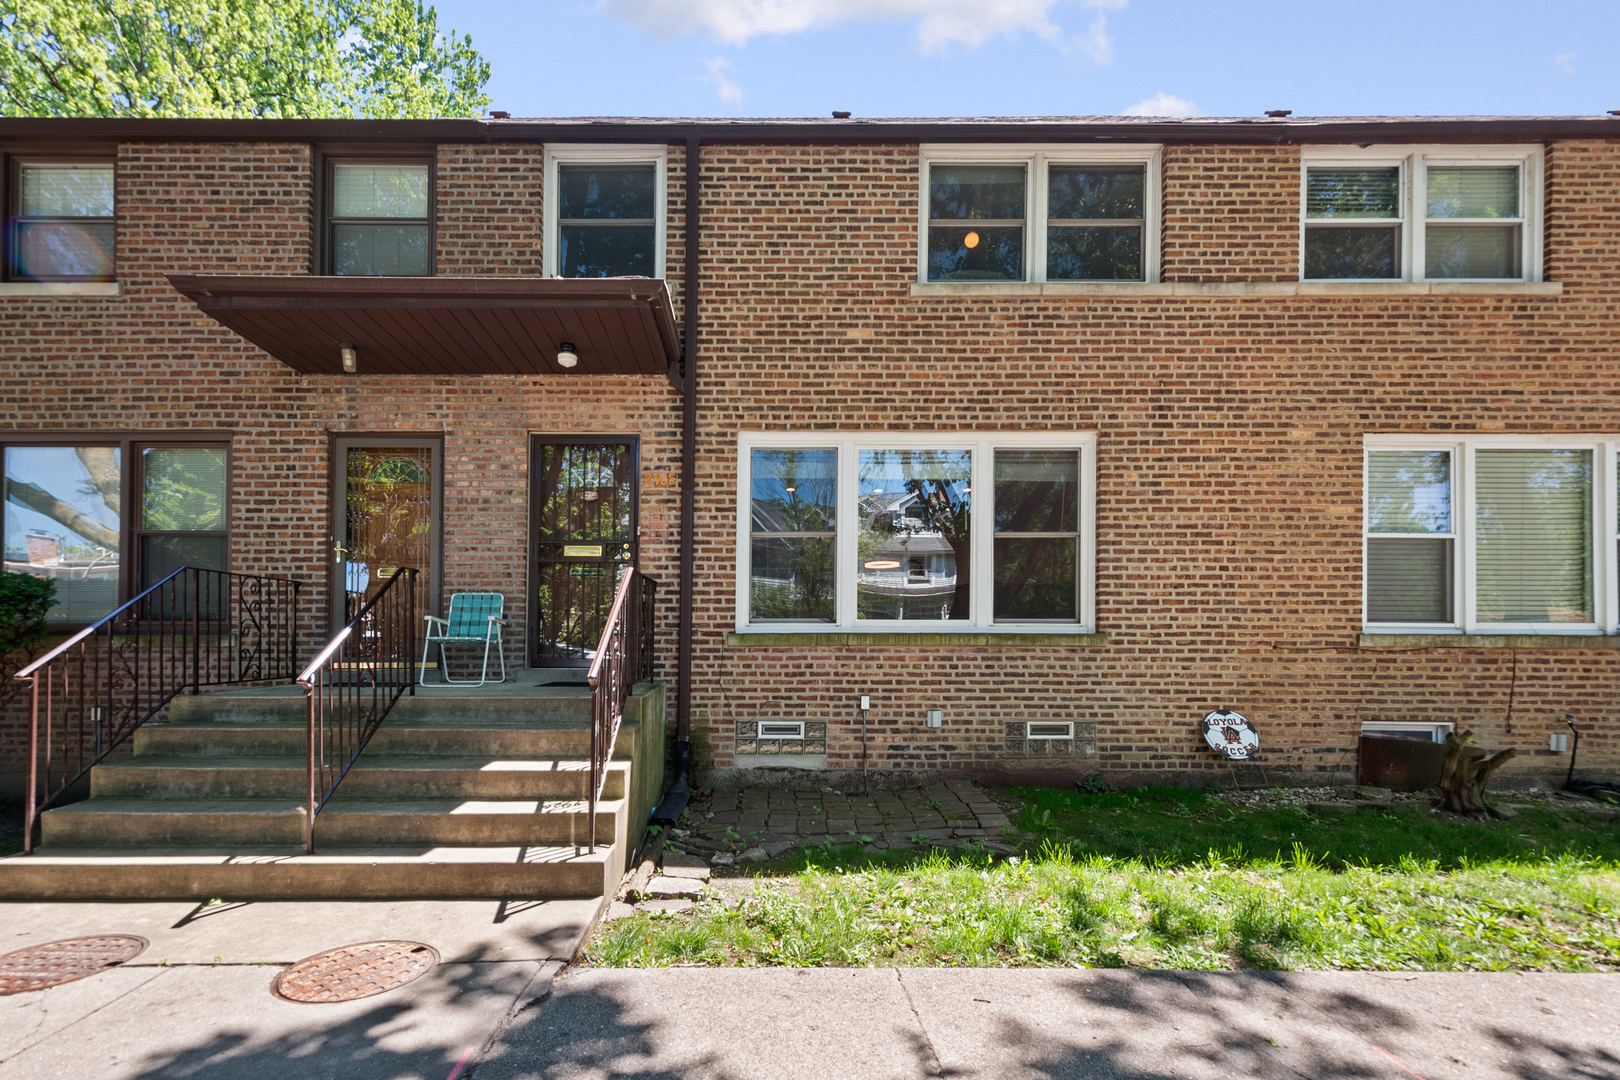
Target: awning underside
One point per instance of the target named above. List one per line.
(447, 325)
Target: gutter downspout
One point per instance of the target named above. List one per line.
(674, 802)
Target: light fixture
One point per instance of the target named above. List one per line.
(351, 357)
(566, 356)
(881, 564)
(790, 490)
(970, 241)
(877, 491)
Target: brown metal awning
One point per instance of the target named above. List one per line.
(447, 325)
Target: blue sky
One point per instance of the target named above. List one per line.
(1037, 57)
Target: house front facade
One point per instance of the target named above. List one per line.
(996, 448)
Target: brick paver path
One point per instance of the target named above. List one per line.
(952, 810)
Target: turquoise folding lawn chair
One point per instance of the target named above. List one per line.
(474, 617)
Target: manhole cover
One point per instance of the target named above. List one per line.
(61, 962)
(355, 971)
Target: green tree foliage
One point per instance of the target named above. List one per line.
(24, 603)
(235, 58)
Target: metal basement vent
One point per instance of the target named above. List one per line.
(1050, 731)
(781, 729)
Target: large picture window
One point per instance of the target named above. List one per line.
(1421, 214)
(105, 520)
(901, 532)
(1490, 535)
(1039, 214)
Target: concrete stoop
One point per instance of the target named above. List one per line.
(456, 797)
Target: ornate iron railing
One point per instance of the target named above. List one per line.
(624, 657)
(194, 628)
(353, 683)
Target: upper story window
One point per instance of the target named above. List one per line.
(379, 219)
(61, 221)
(604, 211)
(1421, 214)
(886, 531)
(1039, 214)
(1491, 535)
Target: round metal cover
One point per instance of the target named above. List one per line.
(1230, 734)
(44, 966)
(355, 971)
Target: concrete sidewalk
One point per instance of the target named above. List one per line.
(197, 1002)
(844, 1024)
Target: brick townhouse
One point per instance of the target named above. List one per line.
(1065, 431)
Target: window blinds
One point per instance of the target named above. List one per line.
(1533, 536)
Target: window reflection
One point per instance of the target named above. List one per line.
(792, 550)
(915, 535)
(62, 523)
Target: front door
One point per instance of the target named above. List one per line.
(582, 536)
(385, 515)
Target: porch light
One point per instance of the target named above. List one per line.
(351, 357)
(566, 356)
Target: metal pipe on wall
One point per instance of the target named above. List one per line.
(689, 384)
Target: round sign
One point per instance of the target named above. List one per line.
(1231, 735)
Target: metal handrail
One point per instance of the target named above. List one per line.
(376, 651)
(89, 694)
(624, 656)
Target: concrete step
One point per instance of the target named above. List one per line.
(374, 775)
(285, 873)
(141, 823)
(287, 704)
(280, 739)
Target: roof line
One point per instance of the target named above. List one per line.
(902, 130)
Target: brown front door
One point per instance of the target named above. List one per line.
(582, 535)
(386, 514)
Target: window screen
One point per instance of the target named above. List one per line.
(1352, 222)
(1094, 223)
(792, 541)
(976, 222)
(1037, 544)
(607, 220)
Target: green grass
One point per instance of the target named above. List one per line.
(1172, 878)
(1178, 826)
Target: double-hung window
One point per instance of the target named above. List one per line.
(936, 532)
(1079, 214)
(604, 211)
(60, 224)
(1421, 214)
(379, 218)
(106, 519)
(1490, 535)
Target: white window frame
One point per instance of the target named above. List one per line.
(1036, 159)
(1414, 162)
(602, 154)
(983, 444)
(1605, 532)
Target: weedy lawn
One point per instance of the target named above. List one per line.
(1176, 879)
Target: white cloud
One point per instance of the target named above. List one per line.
(939, 23)
(1162, 104)
(728, 91)
(1565, 62)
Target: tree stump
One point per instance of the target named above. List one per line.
(1466, 771)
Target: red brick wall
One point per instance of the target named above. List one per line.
(1229, 550)
(150, 360)
(1229, 474)
(1231, 213)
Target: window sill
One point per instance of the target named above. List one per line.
(1060, 289)
(1488, 641)
(952, 639)
(9, 289)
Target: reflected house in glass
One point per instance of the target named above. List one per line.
(908, 569)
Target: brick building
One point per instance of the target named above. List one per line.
(1312, 419)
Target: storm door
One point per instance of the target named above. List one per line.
(385, 514)
(582, 536)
